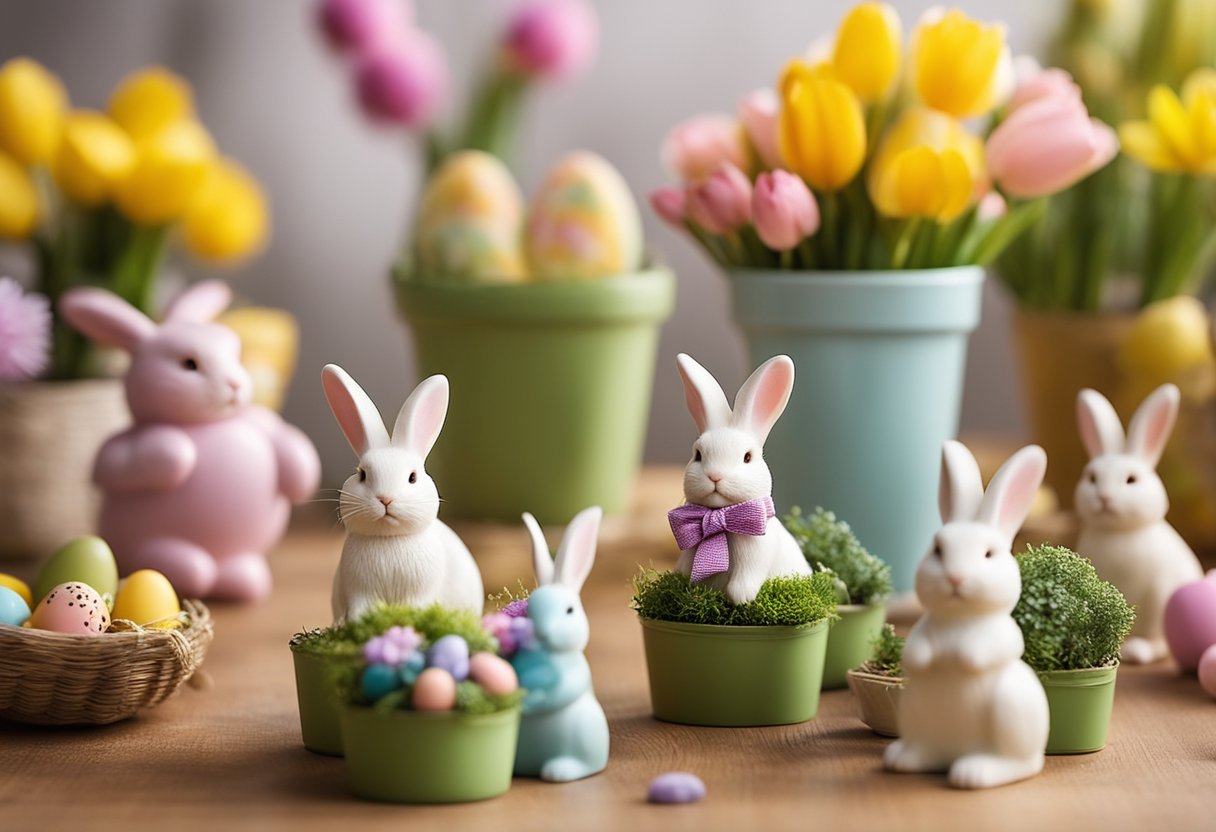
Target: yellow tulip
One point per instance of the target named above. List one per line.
(960, 66)
(171, 168)
(148, 101)
(1180, 134)
(821, 131)
(228, 221)
(868, 50)
(18, 200)
(94, 154)
(927, 165)
(32, 106)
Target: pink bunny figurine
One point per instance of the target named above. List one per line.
(202, 484)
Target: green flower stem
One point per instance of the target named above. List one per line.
(903, 242)
(133, 276)
(829, 215)
(492, 121)
(806, 254)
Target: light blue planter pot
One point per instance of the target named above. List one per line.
(880, 358)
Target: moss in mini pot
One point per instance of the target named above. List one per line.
(792, 601)
(1070, 618)
(887, 658)
(829, 545)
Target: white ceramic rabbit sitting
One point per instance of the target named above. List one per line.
(727, 531)
(970, 705)
(564, 734)
(397, 550)
(1122, 506)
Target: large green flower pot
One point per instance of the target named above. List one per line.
(851, 641)
(319, 722)
(418, 757)
(880, 358)
(1081, 702)
(551, 388)
(705, 674)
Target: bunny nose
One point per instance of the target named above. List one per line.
(234, 384)
(714, 477)
(955, 581)
(388, 501)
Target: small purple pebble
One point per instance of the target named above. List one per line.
(676, 787)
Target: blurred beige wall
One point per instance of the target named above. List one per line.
(342, 192)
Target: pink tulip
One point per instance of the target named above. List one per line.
(784, 210)
(1048, 145)
(671, 205)
(1035, 83)
(992, 206)
(721, 203)
(403, 82)
(695, 148)
(360, 25)
(758, 112)
(552, 39)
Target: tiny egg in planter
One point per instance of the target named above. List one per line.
(72, 608)
(434, 690)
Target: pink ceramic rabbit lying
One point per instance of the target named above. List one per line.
(202, 484)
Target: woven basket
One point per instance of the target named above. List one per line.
(61, 679)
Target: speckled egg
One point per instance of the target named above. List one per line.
(434, 690)
(147, 598)
(72, 608)
(584, 222)
(18, 586)
(86, 560)
(494, 674)
(13, 610)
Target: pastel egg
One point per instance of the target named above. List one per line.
(584, 222)
(676, 787)
(18, 586)
(86, 560)
(378, 680)
(148, 599)
(72, 608)
(434, 690)
(13, 610)
(411, 667)
(494, 674)
(452, 654)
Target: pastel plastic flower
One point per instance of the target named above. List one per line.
(868, 50)
(1179, 135)
(19, 209)
(784, 210)
(404, 82)
(758, 111)
(694, 148)
(928, 150)
(671, 204)
(1048, 145)
(25, 332)
(171, 168)
(149, 100)
(94, 154)
(721, 203)
(228, 220)
(32, 106)
(959, 65)
(552, 39)
(360, 25)
(821, 130)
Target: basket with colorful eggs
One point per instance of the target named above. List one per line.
(82, 647)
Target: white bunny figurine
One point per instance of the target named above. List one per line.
(970, 704)
(563, 735)
(1122, 506)
(728, 532)
(397, 550)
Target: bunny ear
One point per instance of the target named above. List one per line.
(421, 417)
(577, 553)
(1011, 492)
(106, 318)
(356, 415)
(706, 401)
(201, 303)
(961, 489)
(542, 561)
(1151, 426)
(1101, 430)
(763, 397)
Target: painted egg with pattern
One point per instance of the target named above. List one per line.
(72, 607)
(13, 610)
(87, 560)
(147, 598)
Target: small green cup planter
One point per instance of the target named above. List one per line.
(320, 725)
(850, 639)
(1081, 702)
(735, 674)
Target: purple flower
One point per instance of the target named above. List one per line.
(512, 631)
(516, 609)
(359, 25)
(403, 81)
(553, 39)
(25, 332)
(393, 647)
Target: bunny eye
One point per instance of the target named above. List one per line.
(1131, 479)
(189, 364)
(569, 610)
(991, 553)
(1093, 477)
(413, 477)
(697, 456)
(937, 550)
(362, 475)
(747, 457)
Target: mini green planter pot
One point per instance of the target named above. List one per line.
(418, 757)
(851, 641)
(320, 725)
(550, 389)
(707, 674)
(1081, 702)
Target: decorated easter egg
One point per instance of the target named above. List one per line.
(1190, 621)
(18, 586)
(378, 680)
(470, 223)
(72, 607)
(147, 598)
(584, 223)
(13, 610)
(411, 667)
(676, 787)
(493, 673)
(452, 654)
(1207, 671)
(434, 690)
(86, 560)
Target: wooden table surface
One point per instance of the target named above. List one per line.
(229, 756)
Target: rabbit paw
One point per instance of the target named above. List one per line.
(242, 578)
(1138, 650)
(904, 757)
(564, 770)
(739, 593)
(189, 567)
(983, 771)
